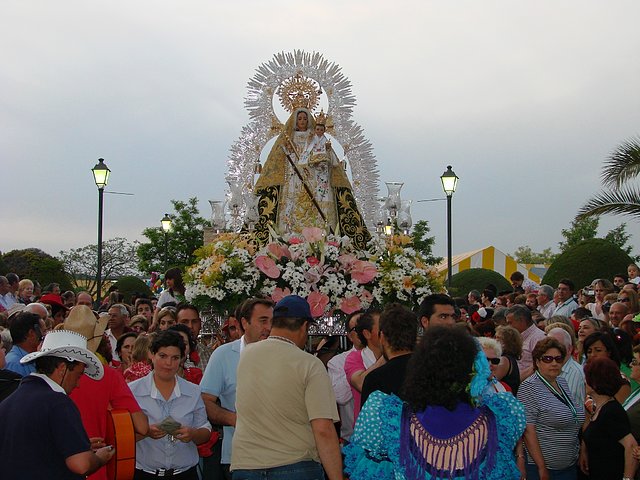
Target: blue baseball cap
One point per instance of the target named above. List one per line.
(293, 306)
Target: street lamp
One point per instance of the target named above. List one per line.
(101, 177)
(166, 226)
(449, 183)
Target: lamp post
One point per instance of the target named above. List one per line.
(166, 226)
(449, 183)
(101, 177)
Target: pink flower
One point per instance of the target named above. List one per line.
(333, 244)
(313, 261)
(318, 302)
(267, 266)
(312, 276)
(363, 272)
(313, 234)
(350, 305)
(347, 261)
(295, 240)
(278, 250)
(278, 294)
(366, 296)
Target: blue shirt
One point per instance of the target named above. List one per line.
(185, 406)
(219, 380)
(13, 362)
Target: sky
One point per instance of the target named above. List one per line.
(524, 99)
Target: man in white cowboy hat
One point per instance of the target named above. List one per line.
(40, 422)
(94, 397)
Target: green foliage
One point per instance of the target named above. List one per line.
(580, 230)
(424, 244)
(36, 265)
(185, 237)
(118, 259)
(590, 259)
(524, 254)
(129, 286)
(477, 279)
(619, 236)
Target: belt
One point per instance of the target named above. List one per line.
(166, 472)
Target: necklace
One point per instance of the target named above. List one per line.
(283, 339)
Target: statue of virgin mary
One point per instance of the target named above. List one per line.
(309, 188)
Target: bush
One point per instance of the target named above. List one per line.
(129, 286)
(477, 279)
(36, 265)
(586, 261)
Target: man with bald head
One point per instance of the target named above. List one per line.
(617, 312)
(571, 370)
(39, 309)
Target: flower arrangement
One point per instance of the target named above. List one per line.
(327, 270)
(224, 274)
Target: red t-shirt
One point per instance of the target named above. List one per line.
(95, 397)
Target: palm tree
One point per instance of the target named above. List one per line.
(619, 198)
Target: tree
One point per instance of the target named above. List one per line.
(118, 259)
(580, 230)
(424, 244)
(619, 197)
(185, 237)
(524, 254)
(619, 236)
(36, 265)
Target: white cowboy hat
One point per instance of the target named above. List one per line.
(71, 346)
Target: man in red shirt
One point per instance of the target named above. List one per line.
(94, 398)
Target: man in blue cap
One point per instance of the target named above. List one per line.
(285, 404)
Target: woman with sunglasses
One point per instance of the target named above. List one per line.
(607, 440)
(554, 418)
(493, 351)
(632, 403)
(630, 299)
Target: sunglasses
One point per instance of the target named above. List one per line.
(493, 361)
(551, 358)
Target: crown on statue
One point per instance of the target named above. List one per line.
(298, 92)
(321, 119)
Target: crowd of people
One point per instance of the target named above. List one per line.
(541, 382)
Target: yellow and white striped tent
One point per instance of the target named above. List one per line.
(490, 258)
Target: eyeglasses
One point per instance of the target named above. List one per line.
(353, 329)
(551, 358)
(494, 361)
(624, 299)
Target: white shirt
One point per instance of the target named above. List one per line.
(113, 341)
(54, 386)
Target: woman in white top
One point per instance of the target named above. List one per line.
(601, 287)
(174, 288)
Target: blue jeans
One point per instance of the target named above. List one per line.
(308, 470)
(569, 473)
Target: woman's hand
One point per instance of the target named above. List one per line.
(155, 432)
(96, 443)
(583, 459)
(636, 452)
(185, 434)
(543, 473)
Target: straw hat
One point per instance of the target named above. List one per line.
(82, 320)
(71, 346)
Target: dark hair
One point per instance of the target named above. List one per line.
(624, 344)
(607, 341)
(400, 327)
(143, 301)
(545, 344)
(568, 283)
(12, 278)
(186, 306)
(181, 327)
(50, 287)
(485, 328)
(48, 363)
(21, 324)
(440, 368)
(473, 293)
(489, 294)
(175, 274)
(521, 313)
(364, 322)
(168, 338)
(68, 295)
(122, 338)
(428, 304)
(246, 309)
(581, 313)
(603, 375)
(516, 276)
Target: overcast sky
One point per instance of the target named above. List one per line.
(524, 99)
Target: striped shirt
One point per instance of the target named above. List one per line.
(573, 374)
(555, 425)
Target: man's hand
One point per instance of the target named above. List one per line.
(97, 442)
(155, 432)
(105, 453)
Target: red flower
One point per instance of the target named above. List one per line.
(313, 261)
